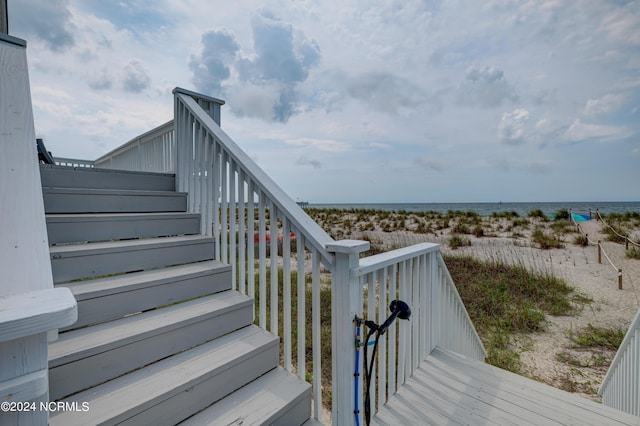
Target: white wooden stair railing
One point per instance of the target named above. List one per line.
(418, 276)
(620, 387)
(30, 308)
(272, 245)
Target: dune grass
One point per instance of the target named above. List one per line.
(507, 300)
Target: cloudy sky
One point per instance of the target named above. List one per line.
(364, 100)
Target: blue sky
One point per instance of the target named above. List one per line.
(361, 101)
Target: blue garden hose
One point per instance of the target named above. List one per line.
(356, 374)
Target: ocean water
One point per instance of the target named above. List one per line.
(487, 209)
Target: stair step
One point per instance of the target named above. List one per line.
(277, 398)
(75, 261)
(110, 298)
(89, 356)
(68, 228)
(84, 200)
(82, 177)
(171, 390)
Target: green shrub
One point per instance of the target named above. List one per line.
(456, 241)
(581, 240)
(521, 222)
(537, 213)
(633, 253)
(506, 299)
(562, 226)
(612, 234)
(609, 338)
(460, 228)
(478, 231)
(562, 214)
(545, 241)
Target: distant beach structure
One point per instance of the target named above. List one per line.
(303, 204)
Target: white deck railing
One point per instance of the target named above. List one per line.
(73, 162)
(620, 388)
(276, 250)
(153, 151)
(418, 276)
(230, 192)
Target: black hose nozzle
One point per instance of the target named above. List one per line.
(398, 309)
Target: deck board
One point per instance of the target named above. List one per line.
(451, 389)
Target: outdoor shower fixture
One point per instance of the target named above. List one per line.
(399, 309)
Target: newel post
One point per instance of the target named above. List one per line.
(346, 303)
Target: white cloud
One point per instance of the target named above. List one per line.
(511, 129)
(579, 131)
(211, 66)
(623, 24)
(50, 21)
(486, 87)
(136, 77)
(253, 100)
(608, 103)
(319, 144)
(351, 85)
(282, 57)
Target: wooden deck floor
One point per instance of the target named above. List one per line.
(451, 389)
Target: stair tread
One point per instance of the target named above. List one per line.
(134, 244)
(53, 217)
(106, 191)
(121, 398)
(89, 341)
(261, 401)
(84, 177)
(104, 286)
(76, 170)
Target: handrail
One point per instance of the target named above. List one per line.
(314, 234)
(620, 387)
(229, 190)
(418, 276)
(73, 162)
(153, 151)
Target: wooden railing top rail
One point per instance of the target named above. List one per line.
(198, 96)
(163, 128)
(382, 260)
(298, 218)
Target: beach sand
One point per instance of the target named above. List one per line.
(548, 356)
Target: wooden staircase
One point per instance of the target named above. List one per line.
(161, 338)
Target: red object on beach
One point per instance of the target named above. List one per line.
(256, 237)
